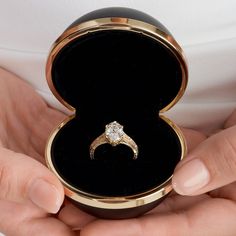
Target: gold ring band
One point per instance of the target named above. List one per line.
(114, 135)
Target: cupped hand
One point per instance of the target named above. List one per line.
(29, 192)
(206, 203)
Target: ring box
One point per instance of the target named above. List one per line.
(116, 64)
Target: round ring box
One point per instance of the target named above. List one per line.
(116, 64)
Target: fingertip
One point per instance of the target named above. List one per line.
(46, 191)
(190, 177)
(31, 181)
(46, 195)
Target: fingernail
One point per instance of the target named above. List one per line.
(45, 195)
(190, 177)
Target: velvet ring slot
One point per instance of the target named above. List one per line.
(116, 64)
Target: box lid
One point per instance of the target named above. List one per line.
(132, 53)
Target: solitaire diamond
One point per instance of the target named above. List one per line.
(114, 133)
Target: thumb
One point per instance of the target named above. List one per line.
(211, 165)
(23, 178)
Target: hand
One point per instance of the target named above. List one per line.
(28, 190)
(207, 204)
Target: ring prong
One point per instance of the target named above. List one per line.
(114, 135)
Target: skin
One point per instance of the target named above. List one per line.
(25, 123)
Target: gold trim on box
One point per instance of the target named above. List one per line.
(116, 23)
(114, 202)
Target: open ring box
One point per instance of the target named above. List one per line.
(116, 64)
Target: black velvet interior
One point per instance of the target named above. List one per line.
(114, 172)
(116, 76)
(116, 69)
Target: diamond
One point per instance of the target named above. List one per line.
(114, 133)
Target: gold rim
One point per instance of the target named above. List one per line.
(117, 24)
(104, 202)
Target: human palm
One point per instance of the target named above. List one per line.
(25, 124)
(200, 214)
(206, 214)
(26, 120)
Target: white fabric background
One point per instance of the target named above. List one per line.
(205, 29)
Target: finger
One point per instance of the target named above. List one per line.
(18, 219)
(193, 138)
(211, 165)
(194, 222)
(23, 179)
(231, 121)
(177, 202)
(74, 217)
(227, 192)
